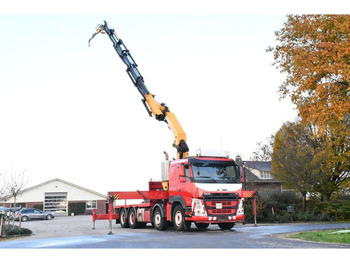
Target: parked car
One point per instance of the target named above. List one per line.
(8, 212)
(33, 213)
(4, 211)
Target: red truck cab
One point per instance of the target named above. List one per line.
(205, 190)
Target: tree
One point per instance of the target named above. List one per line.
(314, 52)
(293, 158)
(15, 184)
(264, 150)
(3, 192)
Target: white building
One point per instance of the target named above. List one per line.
(62, 198)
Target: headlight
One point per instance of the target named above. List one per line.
(198, 207)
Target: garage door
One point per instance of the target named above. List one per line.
(57, 203)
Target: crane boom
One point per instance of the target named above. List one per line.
(159, 110)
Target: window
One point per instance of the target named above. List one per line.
(187, 173)
(206, 171)
(265, 175)
(91, 204)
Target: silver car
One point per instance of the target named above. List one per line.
(33, 213)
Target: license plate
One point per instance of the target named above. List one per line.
(218, 205)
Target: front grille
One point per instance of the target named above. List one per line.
(226, 211)
(222, 204)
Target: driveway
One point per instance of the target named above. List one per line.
(77, 232)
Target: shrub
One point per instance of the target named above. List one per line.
(14, 230)
(335, 210)
(272, 207)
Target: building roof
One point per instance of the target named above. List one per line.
(65, 182)
(259, 165)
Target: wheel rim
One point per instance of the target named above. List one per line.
(178, 218)
(157, 219)
(122, 218)
(132, 218)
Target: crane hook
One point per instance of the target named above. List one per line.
(100, 29)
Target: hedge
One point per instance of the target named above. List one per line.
(272, 208)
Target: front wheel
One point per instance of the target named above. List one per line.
(24, 219)
(226, 226)
(48, 217)
(179, 219)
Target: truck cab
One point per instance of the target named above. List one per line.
(205, 189)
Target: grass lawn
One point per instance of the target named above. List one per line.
(331, 236)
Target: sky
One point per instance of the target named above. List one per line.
(70, 111)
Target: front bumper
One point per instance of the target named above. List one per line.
(216, 220)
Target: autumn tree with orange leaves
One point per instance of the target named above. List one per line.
(313, 51)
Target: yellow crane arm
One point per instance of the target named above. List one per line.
(160, 111)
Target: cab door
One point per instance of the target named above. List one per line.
(185, 184)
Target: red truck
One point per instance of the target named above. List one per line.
(204, 189)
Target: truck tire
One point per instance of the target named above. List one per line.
(124, 223)
(159, 221)
(132, 218)
(179, 219)
(226, 226)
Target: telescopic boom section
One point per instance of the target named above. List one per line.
(159, 110)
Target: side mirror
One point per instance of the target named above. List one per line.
(181, 171)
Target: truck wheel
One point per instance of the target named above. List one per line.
(201, 225)
(179, 219)
(159, 222)
(226, 226)
(133, 219)
(124, 223)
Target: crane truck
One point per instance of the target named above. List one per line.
(204, 189)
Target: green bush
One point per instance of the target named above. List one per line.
(14, 230)
(306, 217)
(272, 208)
(338, 210)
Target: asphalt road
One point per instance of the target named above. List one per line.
(77, 233)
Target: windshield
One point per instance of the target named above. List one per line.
(215, 171)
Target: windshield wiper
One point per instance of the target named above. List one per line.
(208, 177)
